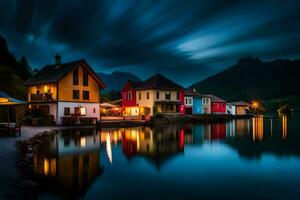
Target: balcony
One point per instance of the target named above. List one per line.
(44, 97)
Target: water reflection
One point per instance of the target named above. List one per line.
(72, 158)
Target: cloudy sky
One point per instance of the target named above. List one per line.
(186, 40)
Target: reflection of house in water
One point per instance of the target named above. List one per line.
(71, 159)
(157, 144)
(258, 128)
(238, 128)
(284, 127)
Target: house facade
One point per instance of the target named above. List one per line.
(160, 95)
(218, 105)
(66, 91)
(155, 95)
(206, 104)
(129, 105)
(237, 108)
(193, 102)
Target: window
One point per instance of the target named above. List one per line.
(186, 101)
(177, 95)
(67, 111)
(75, 77)
(167, 95)
(190, 101)
(129, 96)
(94, 110)
(140, 96)
(157, 95)
(147, 95)
(85, 95)
(76, 94)
(85, 78)
(77, 110)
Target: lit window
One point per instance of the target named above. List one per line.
(82, 142)
(82, 111)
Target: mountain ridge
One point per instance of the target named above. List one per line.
(250, 78)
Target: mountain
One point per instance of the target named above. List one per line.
(250, 78)
(116, 80)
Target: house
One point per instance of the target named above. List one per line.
(69, 92)
(129, 105)
(206, 104)
(237, 108)
(193, 102)
(159, 94)
(218, 105)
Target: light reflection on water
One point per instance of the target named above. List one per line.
(90, 161)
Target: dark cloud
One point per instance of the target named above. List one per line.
(186, 40)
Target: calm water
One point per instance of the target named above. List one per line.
(247, 159)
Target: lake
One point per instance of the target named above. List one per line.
(247, 158)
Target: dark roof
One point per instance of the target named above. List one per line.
(191, 93)
(239, 103)
(54, 73)
(134, 83)
(159, 82)
(216, 99)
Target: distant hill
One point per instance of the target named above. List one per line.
(116, 80)
(250, 78)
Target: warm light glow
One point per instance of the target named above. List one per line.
(82, 111)
(258, 128)
(82, 142)
(255, 104)
(108, 148)
(284, 127)
(45, 89)
(46, 166)
(3, 100)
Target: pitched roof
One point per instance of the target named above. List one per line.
(54, 73)
(216, 99)
(134, 83)
(239, 103)
(159, 82)
(191, 93)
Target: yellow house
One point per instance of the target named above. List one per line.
(66, 91)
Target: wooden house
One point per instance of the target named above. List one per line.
(69, 92)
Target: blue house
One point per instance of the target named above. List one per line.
(193, 102)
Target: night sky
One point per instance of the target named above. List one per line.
(185, 40)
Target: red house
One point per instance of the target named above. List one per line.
(129, 104)
(218, 105)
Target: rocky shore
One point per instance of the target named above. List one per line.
(28, 187)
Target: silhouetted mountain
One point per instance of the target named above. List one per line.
(116, 80)
(252, 79)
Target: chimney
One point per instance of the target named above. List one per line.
(57, 59)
